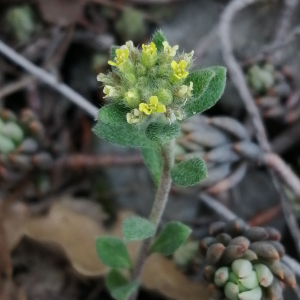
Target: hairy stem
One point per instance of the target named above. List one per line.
(158, 208)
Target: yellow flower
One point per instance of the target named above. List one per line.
(170, 51)
(149, 49)
(153, 107)
(110, 91)
(179, 69)
(121, 57)
(185, 91)
(134, 116)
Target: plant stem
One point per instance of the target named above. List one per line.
(158, 208)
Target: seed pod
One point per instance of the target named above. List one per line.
(231, 253)
(223, 238)
(256, 234)
(209, 273)
(235, 227)
(241, 267)
(254, 294)
(240, 240)
(264, 250)
(275, 290)
(221, 276)
(216, 228)
(214, 253)
(205, 243)
(264, 275)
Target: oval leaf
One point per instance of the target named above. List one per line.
(124, 292)
(153, 161)
(115, 279)
(210, 96)
(137, 228)
(162, 133)
(112, 252)
(189, 172)
(158, 39)
(172, 236)
(113, 114)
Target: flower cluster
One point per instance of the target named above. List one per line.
(149, 82)
(244, 263)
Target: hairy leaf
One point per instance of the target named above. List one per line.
(172, 236)
(113, 114)
(137, 228)
(158, 39)
(153, 161)
(115, 279)
(113, 52)
(126, 135)
(189, 172)
(124, 292)
(112, 252)
(162, 133)
(210, 96)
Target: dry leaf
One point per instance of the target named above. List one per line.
(76, 231)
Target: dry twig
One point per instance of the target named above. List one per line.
(277, 165)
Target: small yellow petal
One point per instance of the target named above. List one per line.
(154, 100)
(161, 108)
(184, 74)
(182, 64)
(112, 63)
(174, 65)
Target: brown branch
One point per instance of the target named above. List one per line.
(277, 164)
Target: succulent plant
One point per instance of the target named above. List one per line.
(243, 263)
(223, 143)
(21, 144)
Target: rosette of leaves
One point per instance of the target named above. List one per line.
(225, 146)
(244, 263)
(21, 145)
(275, 92)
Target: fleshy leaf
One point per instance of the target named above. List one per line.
(113, 114)
(189, 172)
(137, 228)
(124, 292)
(126, 135)
(210, 96)
(171, 237)
(112, 252)
(158, 39)
(153, 161)
(162, 133)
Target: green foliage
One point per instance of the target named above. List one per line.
(162, 133)
(113, 114)
(172, 236)
(158, 39)
(125, 135)
(189, 172)
(137, 228)
(119, 286)
(112, 54)
(210, 96)
(112, 252)
(152, 157)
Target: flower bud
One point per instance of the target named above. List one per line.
(13, 131)
(104, 78)
(164, 70)
(110, 91)
(6, 145)
(221, 276)
(254, 294)
(264, 275)
(231, 291)
(140, 70)
(165, 96)
(185, 91)
(250, 281)
(241, 267)
(149, 55)
(132, 98)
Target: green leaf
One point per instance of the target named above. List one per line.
(124, 292)
(118, 285)
(172, 236)
(210, 95)
(126, 135)
(113, 52)
(153, 161)
(137, 228)
(158, 39)
(115, 279)
(113, 114)
(189, 172)
(162, 133)
(112, 252)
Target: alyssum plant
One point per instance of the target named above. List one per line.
(149, 92)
